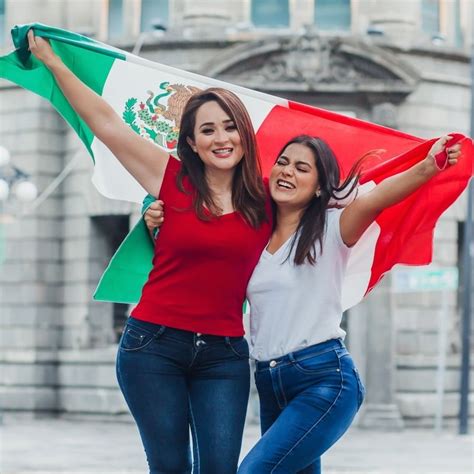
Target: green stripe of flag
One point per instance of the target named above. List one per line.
(91, 62)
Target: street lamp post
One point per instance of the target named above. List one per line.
(14, 183)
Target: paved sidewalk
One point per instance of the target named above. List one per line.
(54, 446)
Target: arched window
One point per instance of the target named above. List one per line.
(154, 12)
(270, 13)
(430, 16)
(332, 14)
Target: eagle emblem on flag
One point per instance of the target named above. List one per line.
(158, 117)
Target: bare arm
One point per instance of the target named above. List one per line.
(144, 161)
(357, 216)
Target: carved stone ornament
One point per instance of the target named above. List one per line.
(312, 62)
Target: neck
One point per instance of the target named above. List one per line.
(288, 219)
(219, 181)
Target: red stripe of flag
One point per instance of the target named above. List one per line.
(406, 230)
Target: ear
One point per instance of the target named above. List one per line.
(191, 143)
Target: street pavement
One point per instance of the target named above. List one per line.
(61, 446)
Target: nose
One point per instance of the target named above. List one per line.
(288, 170)
(221, 136)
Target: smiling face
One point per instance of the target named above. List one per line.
(294, 177)
(216, 138)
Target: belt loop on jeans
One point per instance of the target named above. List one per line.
(160, 331)
(227, 340)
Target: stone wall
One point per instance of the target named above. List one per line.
(57, 346)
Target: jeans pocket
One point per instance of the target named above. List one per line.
(360, 385)
(239, 347)
(318, 364)
(135, 338)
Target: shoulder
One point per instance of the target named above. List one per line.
(174, 163)
(333, 227)
(170, 184)
(333, 215)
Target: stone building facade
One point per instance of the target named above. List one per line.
(406, 68)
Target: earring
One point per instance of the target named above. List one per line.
(318, 193)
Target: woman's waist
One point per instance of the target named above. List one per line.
(312, 351)
(183, 335)
(227, 323)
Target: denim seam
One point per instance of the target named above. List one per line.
(196, 440)
(141, 328)
(281, 388)
(232, 348)
(276, 389)
(315, 424)
(293, 360)
(309, 356)
(136, 349)
(196, 352)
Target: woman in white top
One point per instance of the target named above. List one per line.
(308, 385)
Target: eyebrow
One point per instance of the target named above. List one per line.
(210, 124)
(297, 163)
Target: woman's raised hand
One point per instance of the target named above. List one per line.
(41, 49)
(442, 153)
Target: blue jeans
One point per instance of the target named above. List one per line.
(173, 380)
(308, 399)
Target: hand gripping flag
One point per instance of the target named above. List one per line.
(150, 97)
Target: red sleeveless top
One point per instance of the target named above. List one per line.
(200, 268)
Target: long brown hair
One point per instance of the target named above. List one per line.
(248, 192)
(311, 228)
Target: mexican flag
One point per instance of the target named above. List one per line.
(150, 96)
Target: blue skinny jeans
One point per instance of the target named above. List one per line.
(308, 399)
(174, 380)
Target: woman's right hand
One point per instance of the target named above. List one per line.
(154, 216)
(142, 159)
(41, 49)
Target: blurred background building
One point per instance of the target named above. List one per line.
(401, 63)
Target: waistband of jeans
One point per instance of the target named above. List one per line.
(181, 334)
(310, 351)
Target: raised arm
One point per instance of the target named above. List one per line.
(144, 161)
(357, 216)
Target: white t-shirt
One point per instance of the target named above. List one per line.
(296, 306)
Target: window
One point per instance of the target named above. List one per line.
(2, 22)
(430, 16)
(154, 12)
(270, 13)
(115, 19)
(458, 33)
(332, 14)
(107, 233)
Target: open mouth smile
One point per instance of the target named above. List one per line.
(223, 152)
(282, 184)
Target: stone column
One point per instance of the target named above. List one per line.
(381, 411)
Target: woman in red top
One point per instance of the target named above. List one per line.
(182, 360)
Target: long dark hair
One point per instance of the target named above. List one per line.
(311, 228)
(248, 192)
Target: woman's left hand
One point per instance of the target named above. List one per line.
(453, 152)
